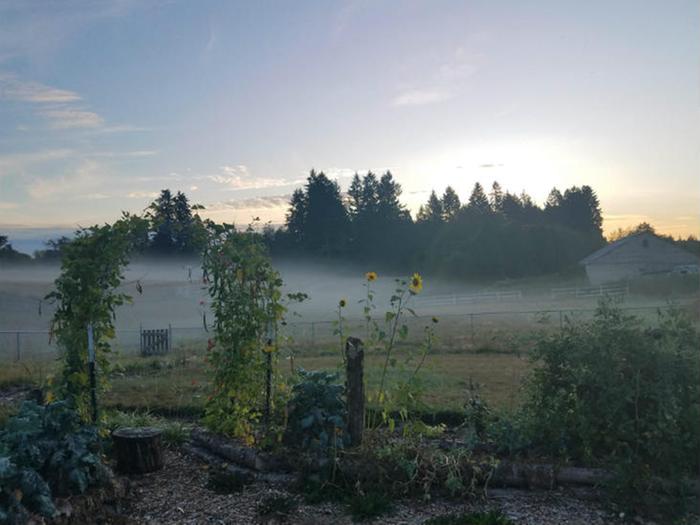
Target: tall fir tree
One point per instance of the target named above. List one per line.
(450, 204)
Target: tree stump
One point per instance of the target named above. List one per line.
(138, 450)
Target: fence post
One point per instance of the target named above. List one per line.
(471, 326)
(355, 389)
(18, 353)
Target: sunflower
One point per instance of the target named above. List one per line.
(342, 303)
(416, 284)
(371, 276)
(435, 320)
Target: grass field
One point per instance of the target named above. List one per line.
(178, 383)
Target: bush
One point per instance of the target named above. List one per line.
(44, 450)
(317, 413)
(613, 393)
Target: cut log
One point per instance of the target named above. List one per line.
(138, 450)
(237, 452)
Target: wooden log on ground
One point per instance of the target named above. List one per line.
(355, 389)
(546, 476)
(138, 450)
(236, 453)
(243, 472)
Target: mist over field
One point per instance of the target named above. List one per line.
(173, 294)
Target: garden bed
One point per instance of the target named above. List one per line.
(179, 494)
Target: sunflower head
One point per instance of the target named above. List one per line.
(416, 284)
(435, 320)
(371, 276)
(342, 303)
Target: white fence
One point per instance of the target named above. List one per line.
(594, 291)
(453, 299)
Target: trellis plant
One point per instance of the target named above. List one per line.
(247, 303)
(86, 293)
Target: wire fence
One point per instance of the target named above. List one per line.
(496, 330)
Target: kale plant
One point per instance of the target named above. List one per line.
(317, 413)
(45, 450)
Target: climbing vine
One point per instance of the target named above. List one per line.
(247, 305)
(86, 293)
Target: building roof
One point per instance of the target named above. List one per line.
(614, 246)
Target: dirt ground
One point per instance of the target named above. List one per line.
(179, 494)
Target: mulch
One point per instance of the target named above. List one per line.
(178, 494)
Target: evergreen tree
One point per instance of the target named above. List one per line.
(326, 222)
(355, 196)
(388, 205)
(296, 216)
(496, 197)
(184, 224)
(162, 216)
(450, 204)
(478, 202)
(432, 212)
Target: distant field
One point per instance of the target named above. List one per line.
(179, 382)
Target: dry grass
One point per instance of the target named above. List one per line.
(178, 383)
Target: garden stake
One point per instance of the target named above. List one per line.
(91, 371)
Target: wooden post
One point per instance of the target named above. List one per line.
(138, 450)
(355, 389)
(91, 372)
(471, 326)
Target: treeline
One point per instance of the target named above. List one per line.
(171, 226)
(493, 234)
(499, 234)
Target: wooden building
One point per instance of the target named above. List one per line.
(636, 255)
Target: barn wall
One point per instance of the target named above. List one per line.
(639, 255)
(604, 273)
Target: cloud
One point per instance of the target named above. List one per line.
(418, 97)
(73, 118)
(253, 203)
(142, 194)
(238, 177)
(4, 205)
(119, 154)
(88, 175)
(18, 162)
(444, 80)
(96, 196)
(12, 88)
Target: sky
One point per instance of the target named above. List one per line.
(102, 104)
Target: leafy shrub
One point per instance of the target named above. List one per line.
(317, 413)
(412, 467)
(45, 450)
(611, 392)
